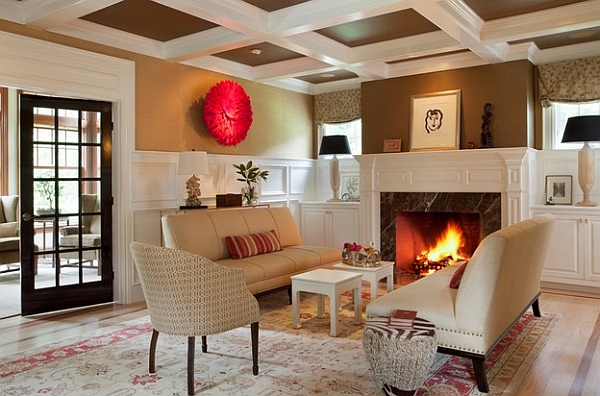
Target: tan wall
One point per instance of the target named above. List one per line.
(168, 116)
(508, 86)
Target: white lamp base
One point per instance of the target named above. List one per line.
(586, 174)
(334, 179)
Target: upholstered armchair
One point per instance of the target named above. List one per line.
(189, 295)
(9, 230)
(90, 232)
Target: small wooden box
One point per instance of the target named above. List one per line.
(225, 200)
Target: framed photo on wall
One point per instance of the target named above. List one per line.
(435, 121)
(559, 189)
(392, 145)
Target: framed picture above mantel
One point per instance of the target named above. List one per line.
(435, 121)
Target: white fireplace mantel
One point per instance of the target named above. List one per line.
(508, 171)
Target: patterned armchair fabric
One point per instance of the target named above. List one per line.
(189, 295)
(9, 230)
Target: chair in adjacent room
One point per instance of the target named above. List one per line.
(189, 295)
(9, 233)
(90, 233)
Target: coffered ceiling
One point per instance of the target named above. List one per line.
(316, 46)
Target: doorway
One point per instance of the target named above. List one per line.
(66, 203)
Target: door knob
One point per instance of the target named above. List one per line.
(27, 217)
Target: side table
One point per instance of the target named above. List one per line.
(331, 283)
(400, 356)
(372, 274)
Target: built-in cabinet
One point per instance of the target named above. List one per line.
(574, 253)
(329, 223)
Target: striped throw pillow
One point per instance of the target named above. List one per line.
(241, 246)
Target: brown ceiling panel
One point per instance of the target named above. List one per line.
(270, 53)
(568, 38)
(149, 19)
(274, 5)
(380, 28)
(320, 78)
(497, 9)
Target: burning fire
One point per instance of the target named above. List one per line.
(447, 248)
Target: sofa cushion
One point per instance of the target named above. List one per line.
(8, 229)
(241, 246)
(458, 274)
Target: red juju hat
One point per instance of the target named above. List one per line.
(227, 113)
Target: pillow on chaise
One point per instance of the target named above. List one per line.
(458, 274)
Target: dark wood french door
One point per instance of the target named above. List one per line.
(66, 203)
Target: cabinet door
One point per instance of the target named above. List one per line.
(344, 226)
(593, 250)
(564, 255)
(314, 226)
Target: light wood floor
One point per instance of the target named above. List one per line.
(569, 364)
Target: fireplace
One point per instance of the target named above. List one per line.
(495, 184)
(410, 222)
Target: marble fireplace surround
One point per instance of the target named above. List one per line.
(509, 172)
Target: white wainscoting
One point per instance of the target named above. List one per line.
(157, 187)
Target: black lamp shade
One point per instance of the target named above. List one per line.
(335, 144)
(582, 129)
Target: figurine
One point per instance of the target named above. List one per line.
(486, 135)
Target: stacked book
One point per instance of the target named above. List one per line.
(402, 318)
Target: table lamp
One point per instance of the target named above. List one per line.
(335, 144)
(193, 163)
(584, 129)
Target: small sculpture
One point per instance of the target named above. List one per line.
(486, 135)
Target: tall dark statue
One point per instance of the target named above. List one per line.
(486, 135)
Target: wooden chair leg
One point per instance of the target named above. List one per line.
(190, 364)
(536, 308)
(479, 368)
(204, 344)
(152, 356)
(254, 333)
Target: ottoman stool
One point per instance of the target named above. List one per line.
(400, 356)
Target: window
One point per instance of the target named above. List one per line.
(352, 129)
(555, 119)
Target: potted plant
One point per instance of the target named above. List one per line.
(250, 175)
(45, 190)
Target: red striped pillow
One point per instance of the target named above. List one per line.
(241, 246)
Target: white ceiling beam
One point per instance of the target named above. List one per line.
(409, 47)
(223, 66)
(206, 43)
(575, 51)
(445, 62)
(460, 23)
(319, 14)
(290, 68)
(99, 34)
(236, 15)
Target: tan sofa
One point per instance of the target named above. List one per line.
(203, 232)
(500, 282)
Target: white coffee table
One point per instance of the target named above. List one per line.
(326, 282)
(372, 274)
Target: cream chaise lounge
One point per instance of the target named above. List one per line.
(499, 283)
(203, 232)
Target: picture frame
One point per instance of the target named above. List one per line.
(392, 145)
(350, 187)
(559, 189)
(435, 121)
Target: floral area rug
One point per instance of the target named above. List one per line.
(114, 361)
